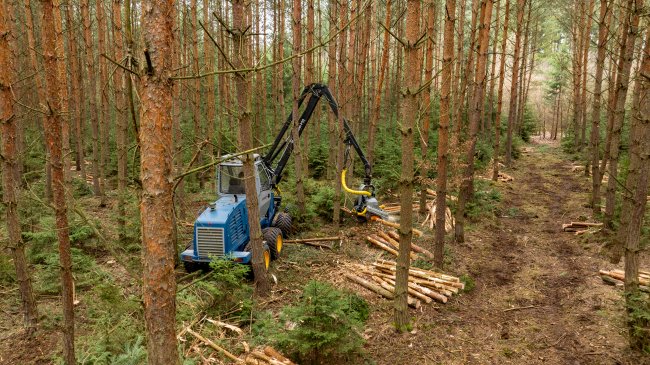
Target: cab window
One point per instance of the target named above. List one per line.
(265, 182)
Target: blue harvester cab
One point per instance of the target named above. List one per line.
(221, 231)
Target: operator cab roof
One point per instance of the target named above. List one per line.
(236, 160)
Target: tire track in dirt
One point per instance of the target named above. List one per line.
(538, 299)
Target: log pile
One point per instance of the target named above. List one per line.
(431, 194)
(423, 285)
(617, 278)
(580, 227)
(503, 177)
(267, 356)
(430, 219)
(389, 242)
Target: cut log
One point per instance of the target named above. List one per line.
(395, 244)
(270, 351)
(412, 302)
(428, 292)
(423, 271)
(395, 225)
(375, 241)
(370, 286)
(316, 239)
(410, 290)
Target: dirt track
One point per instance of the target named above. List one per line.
(538, 298)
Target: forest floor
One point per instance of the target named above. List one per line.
(537, 298)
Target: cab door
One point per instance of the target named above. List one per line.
(264, 190)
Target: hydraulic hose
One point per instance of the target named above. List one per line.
(350, 191)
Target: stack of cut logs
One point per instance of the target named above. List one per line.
(423, 285)
(389, 242)
(267, 356)
(617, 277)
(430, 219)
(579, 227)
(431, 194)
(503, 177)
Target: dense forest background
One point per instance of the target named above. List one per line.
(114, 114)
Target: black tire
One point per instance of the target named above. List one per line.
(190, 267)
(274, 239)
(283, 221)
(266, 251)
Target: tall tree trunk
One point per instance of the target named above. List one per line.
(103, 100)
(76, 73)
(374, 115)
(243, 87)
(310, 77)
(443, 130)
(296, 65)
(196, 92)
(603, 30)
(495, 40)
(39, 84)
(408, 112)
(92, 95)
(577, 39)
(457, 123)
(331, 80)
(502, 73)
(11, 185)
(519, 117)
(426, 122)
(634, 205)
(53, 129)
(586, 42)
(512, 112)
(208, 54)
(156, 207)
(343, 18)
(622, 82)
(65, 101)
(478, 94)
(121, 121)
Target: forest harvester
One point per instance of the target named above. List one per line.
(222, 229)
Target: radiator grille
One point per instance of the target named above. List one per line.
(209, 241)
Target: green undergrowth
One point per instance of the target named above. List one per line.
(323, 327)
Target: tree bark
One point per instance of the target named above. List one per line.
(8, 122)
(603, 30)
(426, 115)
(243, 87)
(208, 54)
(65, 100)
(374, 115)
(478, 94)
(634, 205)
(495, 40)
(156, 207)
(443, 130)
(76, 72)
(53, 129)
(331, 80)
(622, 82)
(512, 112)
(586, 42)
(408, 111)
(103, 100)
(296, 65)
(92, 95)
(121, 121)
(502, 69)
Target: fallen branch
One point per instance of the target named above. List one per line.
(215, 346)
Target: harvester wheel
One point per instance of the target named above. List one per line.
(283, 221)
(274, 239)
(266, 254)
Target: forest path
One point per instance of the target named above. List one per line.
(538, 298)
